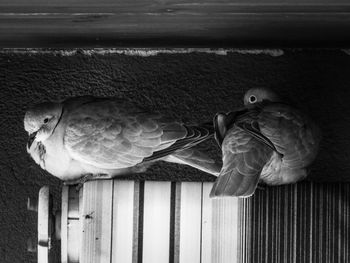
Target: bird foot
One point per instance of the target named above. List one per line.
(141, 168)
(87, 177)
(261, 187)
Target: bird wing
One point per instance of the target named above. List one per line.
(292, 133)
(109, 134)
(244, 157)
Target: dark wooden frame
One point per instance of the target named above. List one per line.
(214, 23)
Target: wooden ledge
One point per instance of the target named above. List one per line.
(225, 23)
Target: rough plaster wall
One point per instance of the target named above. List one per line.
(191, 87)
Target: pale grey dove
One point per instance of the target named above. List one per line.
(107, 137)
(268, 141)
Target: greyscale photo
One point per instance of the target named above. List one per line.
(174, 131)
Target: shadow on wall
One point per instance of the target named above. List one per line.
(191, 87)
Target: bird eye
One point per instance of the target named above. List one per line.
(46, 120)
(252, 99)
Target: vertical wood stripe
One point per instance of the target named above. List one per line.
(123, 221)
(156, 222)
(43, 225)
(190, 222)
(73, 225)
(207, 224)
(96, 220)
(224, 231)
(74, 231)
(64, 225)
(302, 223)
(176, 227)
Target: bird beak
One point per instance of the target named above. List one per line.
(31, 139)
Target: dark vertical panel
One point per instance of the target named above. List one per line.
(276, 251)
(290, 217)
(255, 229)
(339, 211)
(320, 226)
(248, 259)
(346, 236)
(301, 223)
(269, 226)
(260, 226)
(246, 226)
(112, 215)
(241, 233)
(263, 226)
(172, 222)
(140, 223)
(285, 227)
(313, 224)
(177, 211)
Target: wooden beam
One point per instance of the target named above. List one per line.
(125, 223)
(96, 222)
(76, 23)
(44, 235)
(156, 222)
(189, 223)
(220, 231)
(64, 224)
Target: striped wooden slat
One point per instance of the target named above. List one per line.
(156, 222)
(306, 222)
(225, 228)
(64, 225)
(125, 205)
(220, 237)
(188, 223)
(207, 224)
(74, 241)
(73, 224)
(178, 222)
(43, 225)
(96, 220)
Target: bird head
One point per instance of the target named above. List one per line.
(258, 95)
(41, 120)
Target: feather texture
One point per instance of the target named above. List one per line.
(107, 135)
(243, 160)
(270, 142)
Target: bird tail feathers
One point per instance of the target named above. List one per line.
(196, 159)
(235, 184)
(240, 172)
(195, 135)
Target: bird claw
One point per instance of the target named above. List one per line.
(82, 180)
(261, 187)
(87, 177)
(78, 182)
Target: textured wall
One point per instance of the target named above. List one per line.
(191, 87)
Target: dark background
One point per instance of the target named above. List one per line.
(191, 87)
(143, 23)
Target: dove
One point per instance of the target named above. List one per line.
(266, 142)
(100, 138)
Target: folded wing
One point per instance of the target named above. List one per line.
(243, 159)
(110, 135)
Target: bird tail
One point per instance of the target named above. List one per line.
(196, 159)
(241, 171)
(234, 183)
(195, 135)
